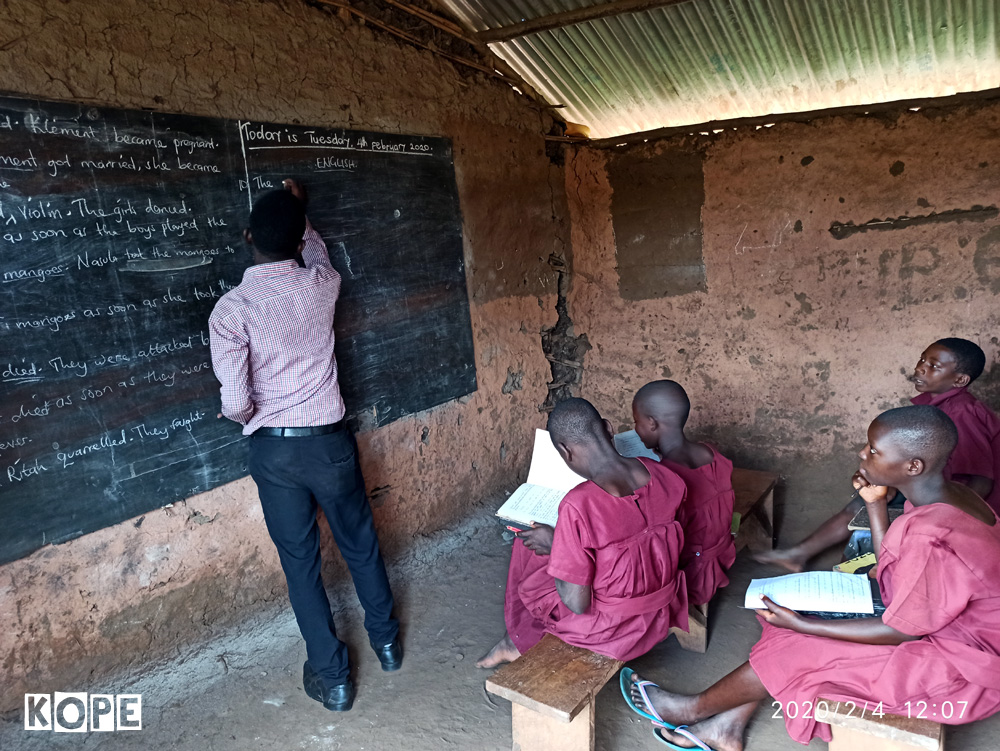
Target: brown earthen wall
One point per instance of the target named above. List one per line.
(130, 593)
(801, 338)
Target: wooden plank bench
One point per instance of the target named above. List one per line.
(857, 730)
(755, 504)
(552, 688)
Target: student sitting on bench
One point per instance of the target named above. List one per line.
(942, 377)
(660, 410)
(606, 578)
(936, 649)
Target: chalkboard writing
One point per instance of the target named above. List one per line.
(119, 230)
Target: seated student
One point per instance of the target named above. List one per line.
(938, 640)
(660, 410)
(606, 578)
(942, 376)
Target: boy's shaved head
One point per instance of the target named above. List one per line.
(969, 356)
(664, 401)
(576, 422)
(921, 432)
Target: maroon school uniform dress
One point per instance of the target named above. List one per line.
(939, 572)
(707, 518)
(627, 549)
(978, 449)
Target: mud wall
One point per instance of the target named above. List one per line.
(130, 593)
(833, 252)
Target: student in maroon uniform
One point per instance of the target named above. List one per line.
(606, 578)
(936, 645)
(942, 377)
(660, 410)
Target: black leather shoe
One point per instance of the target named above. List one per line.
(391, 655)
(337, 698)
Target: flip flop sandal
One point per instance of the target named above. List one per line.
(682, 730)
(626, 682)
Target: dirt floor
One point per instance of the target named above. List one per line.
(245, 691)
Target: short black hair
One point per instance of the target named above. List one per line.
(923, 431)
(277, 224)
(969, 356)
(664, 400)
(575, 421)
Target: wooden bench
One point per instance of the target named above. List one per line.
(755, 504)
(857, 730)
(551, 688)
(695, 639)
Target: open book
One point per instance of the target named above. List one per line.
(815, 592)
(549, 480)
(630, 444)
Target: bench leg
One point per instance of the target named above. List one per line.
(532, 731)
(695, 639)
(757, 528)
(848, 739)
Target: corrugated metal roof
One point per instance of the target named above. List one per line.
(707, 60)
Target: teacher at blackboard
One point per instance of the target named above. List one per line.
(272, 350)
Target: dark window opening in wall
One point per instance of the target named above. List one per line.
(656, 213)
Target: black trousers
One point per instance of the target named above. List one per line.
(293, 476)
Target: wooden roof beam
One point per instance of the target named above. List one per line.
(571, 18)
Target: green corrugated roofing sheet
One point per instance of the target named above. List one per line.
(707, 60)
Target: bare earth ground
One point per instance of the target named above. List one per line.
(245, 691)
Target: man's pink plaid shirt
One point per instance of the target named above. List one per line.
(272, 343)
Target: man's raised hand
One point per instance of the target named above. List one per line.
(294, 187)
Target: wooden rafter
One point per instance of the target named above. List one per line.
(498, 61)
(498, 66)
(571, 18)
(407, 37)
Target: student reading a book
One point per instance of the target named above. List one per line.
(660, 410)
(606, 578)
(936, 646)
(942, 377)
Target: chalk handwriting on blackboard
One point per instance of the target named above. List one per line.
(119, 231)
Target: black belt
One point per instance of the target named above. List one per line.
(335, 427)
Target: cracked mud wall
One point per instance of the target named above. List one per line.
(805, 332)
(145, 588)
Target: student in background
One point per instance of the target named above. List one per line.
(272, 349)
(606, 577)
(942, 378)
(936, 646)
(660, 410)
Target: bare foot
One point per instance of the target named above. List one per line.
(723, 732)
(789, 559)
(673, 708)
(504, 651)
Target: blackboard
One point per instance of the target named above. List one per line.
(120, 229)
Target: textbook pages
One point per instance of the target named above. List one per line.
(630, 444)
(814, 591)
(549, 480)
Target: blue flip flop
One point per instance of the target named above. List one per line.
(683, 730)
(625, 681)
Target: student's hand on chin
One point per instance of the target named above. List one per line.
(539, 538)
(872, 493)
(779, 616)
(858, 480)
